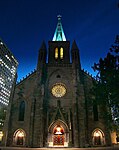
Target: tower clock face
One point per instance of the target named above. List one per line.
(58, 90)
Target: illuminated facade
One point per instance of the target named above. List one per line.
(8, 67)
(52, 107)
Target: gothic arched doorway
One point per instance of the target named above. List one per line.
(19, 137)
(58, 134)
(98, 137)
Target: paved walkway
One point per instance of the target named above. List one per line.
(99, 148)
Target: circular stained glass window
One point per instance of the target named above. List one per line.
(59, 90)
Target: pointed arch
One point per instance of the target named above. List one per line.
(19, 137)
(58, 72)
(98, 137)
(59, 122)
(58, 134)
(22, 110)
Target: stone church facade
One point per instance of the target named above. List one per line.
(52, 106)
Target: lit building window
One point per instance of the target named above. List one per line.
(1, 43)
(1, 135)
(61, 53)
(56, 53)
(8, 66)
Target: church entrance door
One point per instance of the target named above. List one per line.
(58, 136)
(58, 140)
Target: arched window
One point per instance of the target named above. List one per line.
(95, 111)
(19, 137)
(58, 76)
(56, 53)
(22, 111)
(61, 53)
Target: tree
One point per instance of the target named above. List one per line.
(106, 88)
(2, 117)
(2, 113)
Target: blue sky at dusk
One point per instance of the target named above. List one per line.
(24, 24)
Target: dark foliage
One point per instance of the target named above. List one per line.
(106, 88)
(2, 113)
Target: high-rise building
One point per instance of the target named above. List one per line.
(8, 67)
(52, 107)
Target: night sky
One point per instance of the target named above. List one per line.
(24, 24)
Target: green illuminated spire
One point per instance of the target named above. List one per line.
(59, 33)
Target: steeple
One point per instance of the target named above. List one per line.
(75, 54)
(74, 46)
(42, 55)
(59, 33)
(43, 46)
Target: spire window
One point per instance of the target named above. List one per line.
(95, 111)
(61, 53)
(21, 111)
(56, 53)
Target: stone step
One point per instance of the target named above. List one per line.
(96, 148)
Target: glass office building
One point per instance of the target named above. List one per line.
(8, 67)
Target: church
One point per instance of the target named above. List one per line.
(52, 106)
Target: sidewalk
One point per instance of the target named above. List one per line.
(97, 148)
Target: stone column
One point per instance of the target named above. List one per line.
(81, 116)
(75, 126)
